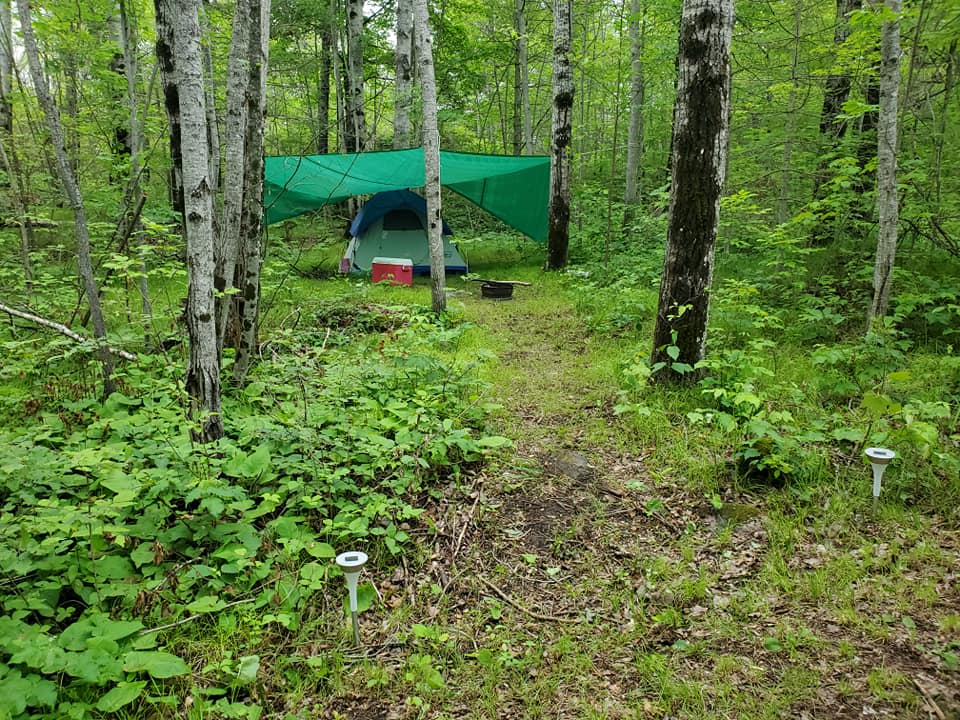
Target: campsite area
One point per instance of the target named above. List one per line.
(549, 534)
(445, 360)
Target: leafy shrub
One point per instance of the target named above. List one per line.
(111, 519)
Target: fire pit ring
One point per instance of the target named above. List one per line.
(496, 290)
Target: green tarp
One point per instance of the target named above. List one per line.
(514, 189)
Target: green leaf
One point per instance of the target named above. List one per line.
(365, 597)
(247, 669)
(206, 604)
(143, 555)
(320, 550)
(123, 694)
(673, 351)
(157, 664)
(772, 644)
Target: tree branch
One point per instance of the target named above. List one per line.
(63, 330)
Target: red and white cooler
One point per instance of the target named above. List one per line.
(396, 271)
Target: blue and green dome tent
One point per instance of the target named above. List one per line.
(394, 224)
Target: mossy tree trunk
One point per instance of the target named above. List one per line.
(698, 166)
(558, 229)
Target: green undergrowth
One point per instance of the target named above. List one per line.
(115, 526)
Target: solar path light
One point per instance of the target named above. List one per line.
(352, 563)
(879, 459)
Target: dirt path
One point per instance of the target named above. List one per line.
(582, 576)
(621, 593)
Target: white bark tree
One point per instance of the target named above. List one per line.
(404, 56)
(887, 162)
(6, 67)
(524, 63)
(251, 227)
(701, 124)
(558, 232)
(68, 180)
(178, 20)
(356, 124)
(228, 242)
(431, 154)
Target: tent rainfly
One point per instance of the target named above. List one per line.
(394, 224)
(515, 189)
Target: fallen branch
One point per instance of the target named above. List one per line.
(466, 526)
(191, 618)
(6, 223)
(931, 703)
(535, 615)
(63, 330)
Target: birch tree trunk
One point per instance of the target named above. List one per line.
(700, 132)
(213, 129)
(69, 181)
(228, 243)
(524, 63)
(6, 67)
(166, 55)
(404, 100)
(251, 229)
(887, 162)
(431, 154)
(631, 195)
(558, 231)
(10, 161)
(203, 370)
(353, 81)
(323, 92)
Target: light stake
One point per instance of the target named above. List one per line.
(352, 563)
(879, 458)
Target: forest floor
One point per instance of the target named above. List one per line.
(588, 574)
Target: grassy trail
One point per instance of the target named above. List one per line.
(589, 573)
(592, 578)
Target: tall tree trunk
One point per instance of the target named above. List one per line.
(238, 79)
(887, 162)
(251, 229)
(524, 63)
(638, 29)
(949, 79)
(213, 129)
(69, 181)
(6, 67)
(701, 123)
(404, 51)
(203, 370)
(11, 163)
(558, 231)
(323, 92)
(353, 80)
(338, 80)
(431, 154)
(128, 43)
(171, 97)
(833, 126)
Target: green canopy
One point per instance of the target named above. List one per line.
(514, 189)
